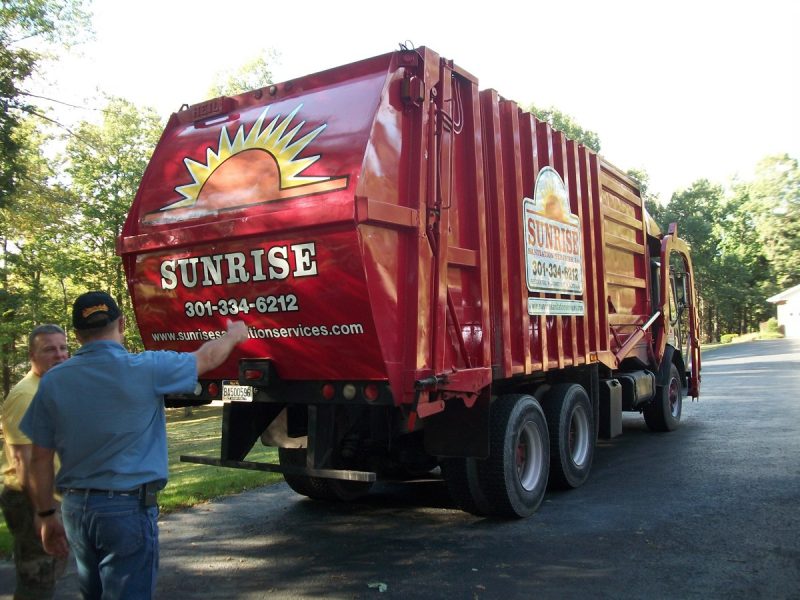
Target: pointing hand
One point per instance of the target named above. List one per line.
(237, 330)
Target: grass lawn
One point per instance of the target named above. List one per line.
(191, 484)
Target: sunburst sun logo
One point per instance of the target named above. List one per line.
(251, 168)
(550, 197)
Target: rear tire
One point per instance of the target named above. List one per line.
(347, 491)
(570, 421)
(461, 476)
(317, 487)
(663, 413)
(302, 484)
(514, 476)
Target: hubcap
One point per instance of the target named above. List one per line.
(529, 456)
(674, 398)
(579, 436)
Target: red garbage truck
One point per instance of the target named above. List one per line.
(433, 279)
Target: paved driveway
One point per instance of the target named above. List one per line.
(709, 511)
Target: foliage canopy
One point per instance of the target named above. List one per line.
(563, 122)
(254, 74)
(23, 22)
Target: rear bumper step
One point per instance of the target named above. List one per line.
(344, 475)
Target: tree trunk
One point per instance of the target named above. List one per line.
(6, 349)
(8, 353)
(709, 323)
(36, 299)
(67, 317)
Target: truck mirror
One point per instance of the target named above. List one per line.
(679, 289)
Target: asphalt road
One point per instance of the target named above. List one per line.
(709, 511)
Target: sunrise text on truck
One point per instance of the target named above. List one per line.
(554, 237)
(277, 262)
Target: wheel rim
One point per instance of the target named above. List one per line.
(529, 453)
(674, 398)
(579, 436)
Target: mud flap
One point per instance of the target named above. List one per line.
(458, 430)
(242, 424)
(662, 377)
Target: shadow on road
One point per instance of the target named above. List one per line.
(707, 511)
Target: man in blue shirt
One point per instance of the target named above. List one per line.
(102, 411)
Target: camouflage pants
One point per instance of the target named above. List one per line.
(37, 571)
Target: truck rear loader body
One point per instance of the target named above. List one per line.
(431, 277)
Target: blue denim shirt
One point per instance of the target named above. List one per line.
(103, 413)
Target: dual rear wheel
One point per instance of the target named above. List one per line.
(529, 444)
(572, 435)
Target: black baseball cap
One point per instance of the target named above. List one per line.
(93, 310)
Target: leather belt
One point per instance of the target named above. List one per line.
(147, 493)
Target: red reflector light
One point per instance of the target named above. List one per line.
(328, 391)
(213, 389)
(371, 392)
(252, 374)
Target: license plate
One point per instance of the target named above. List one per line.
(233, 392)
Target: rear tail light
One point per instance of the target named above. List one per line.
(252, 374)
(371, 392)
(328, 391)
(213, 389)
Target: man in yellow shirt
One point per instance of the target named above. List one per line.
(36, 570)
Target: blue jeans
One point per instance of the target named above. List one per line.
(115, 541)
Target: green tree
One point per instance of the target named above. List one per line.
(773, 201)
(563, 122)
(27, 21)
(14, 68)
(254, 74)
(744, 268)
(106, 163)
(35, 257)
(696, 210)
(745, 245)
(27, 29)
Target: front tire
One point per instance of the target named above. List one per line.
(570, 421)
(663, 413)
(514, 476)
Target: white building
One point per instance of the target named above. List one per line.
(788, 302)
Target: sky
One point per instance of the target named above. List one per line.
(683, 89)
